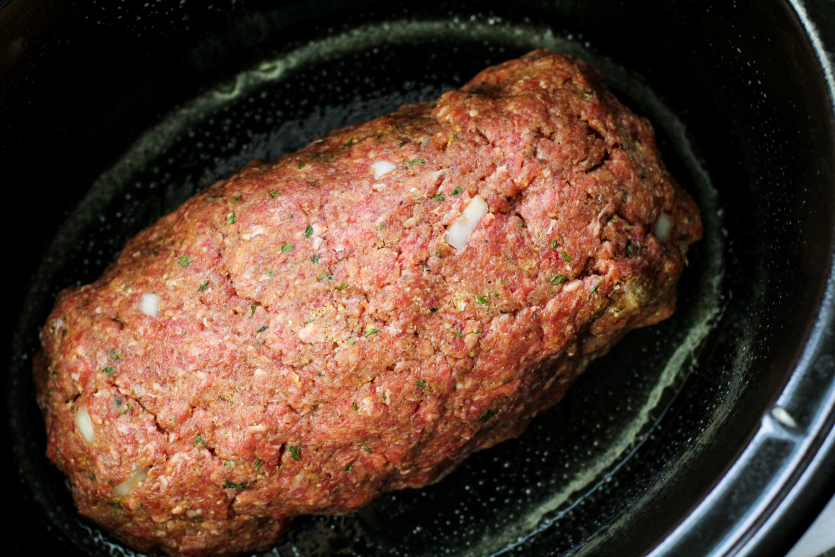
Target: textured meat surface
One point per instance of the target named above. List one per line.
(301, 337)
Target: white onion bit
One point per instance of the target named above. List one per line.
(381, 168)
(84, 424)
(458, 233)
(136, 477)
(149, 304)
(664, 227)
(311, 333)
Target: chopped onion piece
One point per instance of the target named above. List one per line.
(311, 333)
(84, 424)
(458, 233)
(381, 168)
(663, 227)
(149, 304)
(136, 477)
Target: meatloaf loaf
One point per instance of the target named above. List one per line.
(360, 315)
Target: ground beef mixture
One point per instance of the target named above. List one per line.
(361, 315)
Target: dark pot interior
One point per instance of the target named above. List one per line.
(707, 434)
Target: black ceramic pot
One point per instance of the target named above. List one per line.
(708, 434)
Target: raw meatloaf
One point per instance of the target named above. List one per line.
(361, 315)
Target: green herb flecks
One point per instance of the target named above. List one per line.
(229, 485)
(402, 143)
(557, 279)
(257, 465)
(198, 441)
(367, 449)
(416, 160)
(287, 248)
(354, 405)
(421, 383)
(456, 333)
(433, 310)
(342, 286)
(269, 274)
(594, 289)
(301, 165)
(230, 218)
(348, 468)
(262, 329)
(108, 371)
(315, 259)
(275, 194)
(351, 341)
(439, 197)
(373, 332)
(554, 244)
(236, 199)
(308, 232)
(481, 299)
(184, 261)
(565, 257)
(253, 307)
(348, 143)
(456, 191)
(488, 415)
(295, 452)
(203, 285)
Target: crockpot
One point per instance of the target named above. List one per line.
(708, 434)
